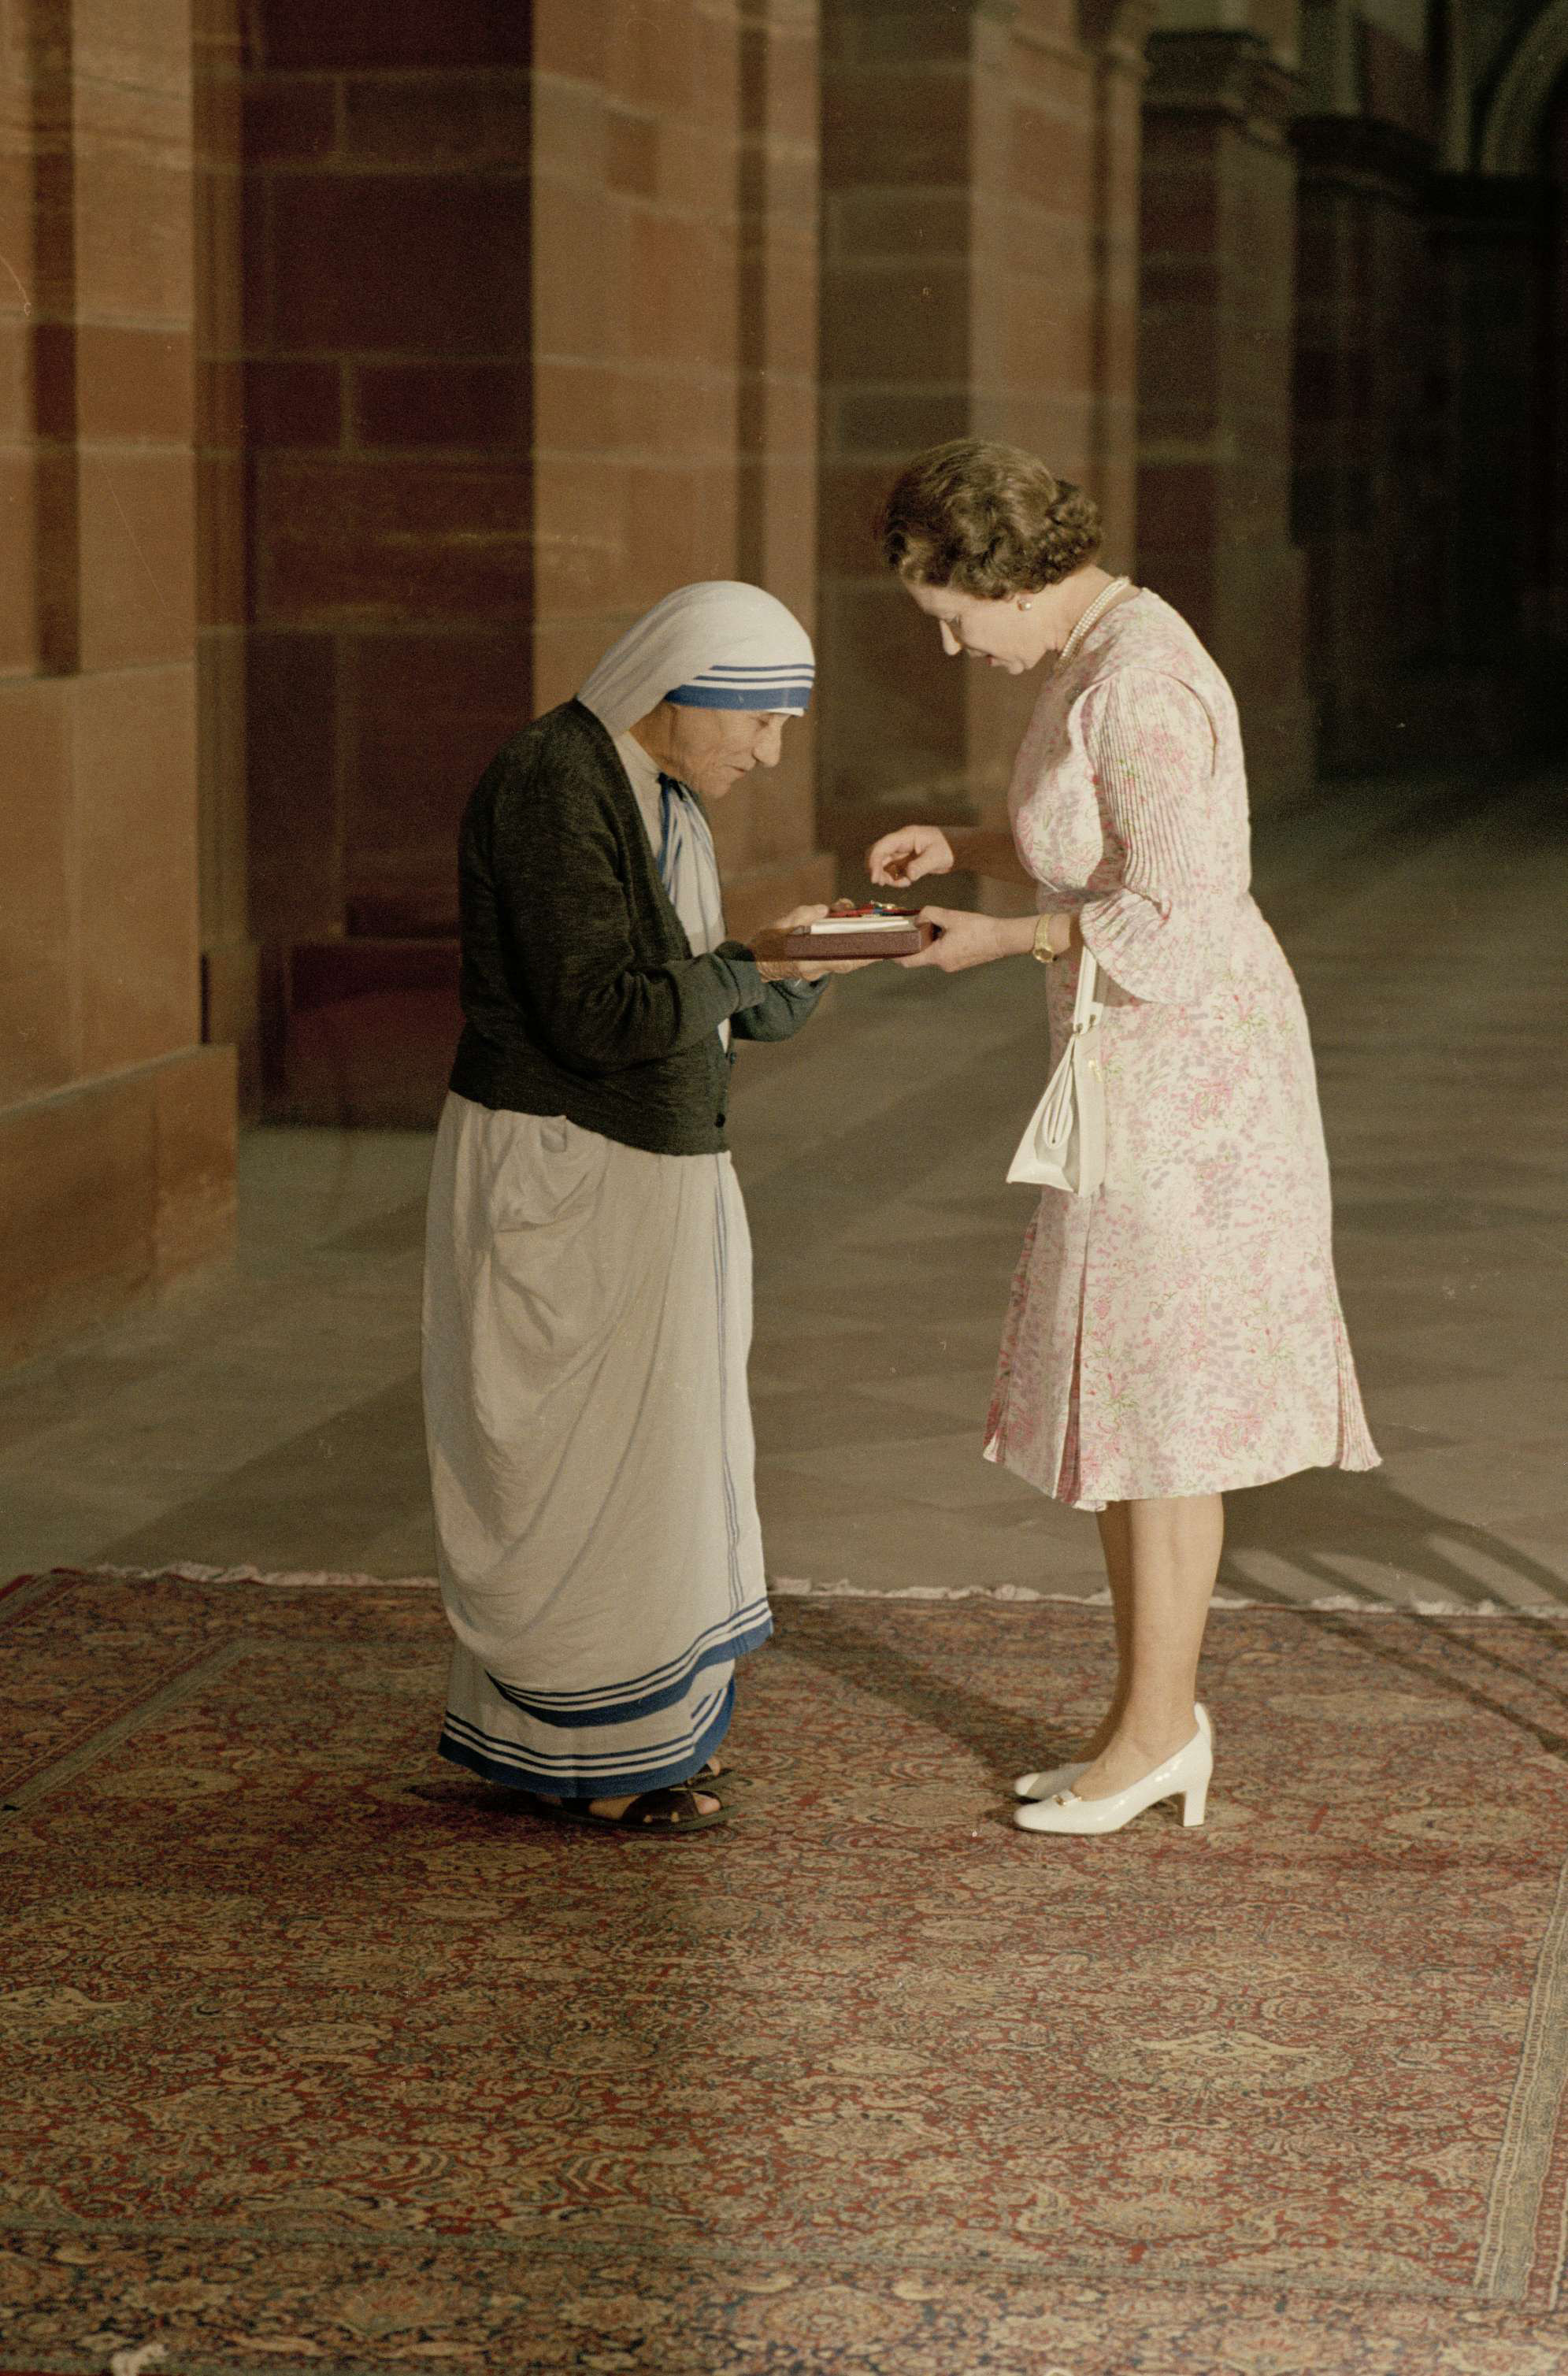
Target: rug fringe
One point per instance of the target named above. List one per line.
(132, 2362)
(315, 1580)
(800, 1587)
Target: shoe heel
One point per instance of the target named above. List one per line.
(1194, 1803)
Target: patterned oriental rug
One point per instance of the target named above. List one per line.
(315, 2052)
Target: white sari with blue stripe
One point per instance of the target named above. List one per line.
(588, 1322)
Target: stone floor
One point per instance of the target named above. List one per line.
(270, 1417)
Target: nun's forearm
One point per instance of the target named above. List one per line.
(781, 1012)
(610, 1020)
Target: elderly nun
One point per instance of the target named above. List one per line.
(587, 1276)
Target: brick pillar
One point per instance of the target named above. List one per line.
(116, 1127)
(388, 416)
(1498, 244)
(1215, 377)
(530, 298)
(1370, 495)
(675, 195)
(776, 863)
(1118, 33)
(1547, 609)
(980, 197)
(228, 954)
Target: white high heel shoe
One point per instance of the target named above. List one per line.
(1047, 1785)
(1057, 1778)
(1186, 1775)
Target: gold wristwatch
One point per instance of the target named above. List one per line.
(1040, 948)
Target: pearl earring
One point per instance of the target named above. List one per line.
(1026, 606)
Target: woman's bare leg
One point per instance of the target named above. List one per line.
(1162, 1558)
(1116, 1544)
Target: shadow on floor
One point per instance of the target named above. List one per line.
(1445, 1651)
(1316, 1524)
(311, 1504)
(999, 1738)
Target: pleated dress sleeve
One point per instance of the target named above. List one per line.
(1164, 934)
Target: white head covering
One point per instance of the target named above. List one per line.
(721, 645)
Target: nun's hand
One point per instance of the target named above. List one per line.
(903, 857)
(768, 946)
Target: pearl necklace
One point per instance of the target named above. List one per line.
(1101, 603)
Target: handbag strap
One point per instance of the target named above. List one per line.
(1087, 1007)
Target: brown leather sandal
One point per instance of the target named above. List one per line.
(653, 1814)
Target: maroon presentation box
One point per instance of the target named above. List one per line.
(875, 931)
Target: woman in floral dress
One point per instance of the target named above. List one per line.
(1177, 1333)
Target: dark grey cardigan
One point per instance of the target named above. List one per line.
(580, 993)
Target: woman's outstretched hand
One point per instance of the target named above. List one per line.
(964, 939)
(903, 857)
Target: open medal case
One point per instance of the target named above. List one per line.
(874, 931)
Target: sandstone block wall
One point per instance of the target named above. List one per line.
(675, 334)
(116, 1124)
(980, 192)
(365, 368)
(1218, 240)
(529, 340)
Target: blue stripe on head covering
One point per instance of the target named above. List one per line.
(765, 693)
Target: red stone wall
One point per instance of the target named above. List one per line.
(388, 420)
(228, 955)
(1428, 420)
(116, 1156)
(1369, 503)
(387, 417)
(1218, 230)
(675, 158)
(365, 368)
(980, 209)
(529, 326)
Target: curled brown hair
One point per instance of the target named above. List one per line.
(986, 519)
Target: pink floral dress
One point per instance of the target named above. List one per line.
(1179, 1331)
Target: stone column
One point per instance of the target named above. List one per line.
(674, 342)
(1548, 608)
(388, 418)
(1117, 33)
(1215, 377)
(898, 274)
(228, 954)
(1497, 247)
(116, 1127)
(980, 199)
(772, 827)
(1369, 497)
(530, 342)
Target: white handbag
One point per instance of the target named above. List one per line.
(1064, 1146)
